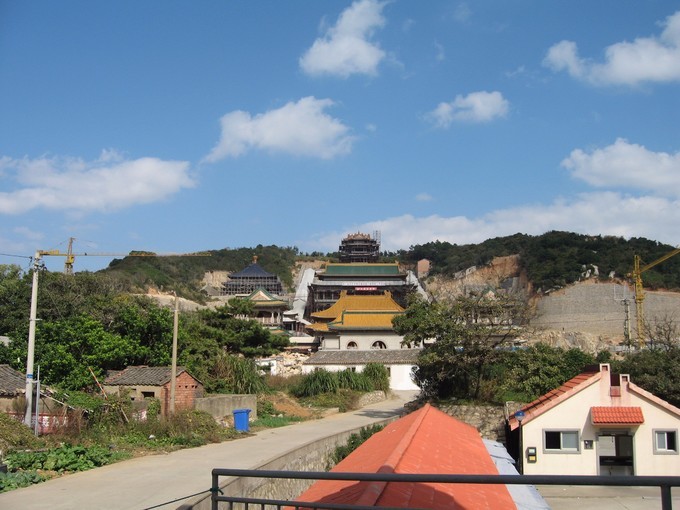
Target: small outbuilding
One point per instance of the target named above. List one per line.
(598, 423)
(143, 382)
(12, 386)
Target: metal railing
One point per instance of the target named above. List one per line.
(664, 483)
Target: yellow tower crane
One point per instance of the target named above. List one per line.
(638, 269)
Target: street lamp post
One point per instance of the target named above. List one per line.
(519, 415)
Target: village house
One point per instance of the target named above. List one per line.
(598, 423)
(143, 382)
(12, 386)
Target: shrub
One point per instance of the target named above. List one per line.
(281, 383)
(354, 441)
(354, 381)
(238, 375)
(378, 376)
(316, 383)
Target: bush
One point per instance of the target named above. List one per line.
(64, 458)
(354, 442)
(356, 381)
(238, 375)
(378, 376)
(281, 383)
(11, 481)
(316, 383)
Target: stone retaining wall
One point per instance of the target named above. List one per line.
(221, 407)
(489, 420)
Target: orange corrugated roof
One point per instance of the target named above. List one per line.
(617, 415)
(425, 441)
(359, 302)
(550, 399)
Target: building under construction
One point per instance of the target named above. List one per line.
(360, 248)
(250, 279)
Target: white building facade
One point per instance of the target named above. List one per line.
(599, 423)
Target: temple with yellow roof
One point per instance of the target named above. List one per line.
(356, 330)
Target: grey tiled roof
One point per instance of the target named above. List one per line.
(355, 357)
(254, 270)
(142, 375)
(11, 382)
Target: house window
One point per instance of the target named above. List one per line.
(378, 345)
(352, 345)
(148, 394)
(665, 441)
(560, 441)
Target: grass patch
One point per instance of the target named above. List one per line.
(344, 399)
(270, 422)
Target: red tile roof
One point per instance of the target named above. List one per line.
(616, 415)
(552, 398)
(425, 441)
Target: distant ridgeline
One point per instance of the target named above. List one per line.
(551, 260)
(555, 259)
(186, 273)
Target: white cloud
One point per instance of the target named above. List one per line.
(462, 12)
(424, 197)
(301, 128)
(606, 213)
(646, 59)
(346, 48)
(628, 165)
(475, 107)
(441, 52)
(655, 214)
(72, 184)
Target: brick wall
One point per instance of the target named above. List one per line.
(187, 390)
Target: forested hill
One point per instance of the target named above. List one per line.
(184, 274)
(551, 260)
(556, 259)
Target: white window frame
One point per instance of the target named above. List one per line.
(562, 450)
(665, 432)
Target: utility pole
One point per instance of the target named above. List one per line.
(31, 339)
(173, 370)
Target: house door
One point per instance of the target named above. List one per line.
(615, 453)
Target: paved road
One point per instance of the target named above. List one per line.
(146, 482)
(605, 498)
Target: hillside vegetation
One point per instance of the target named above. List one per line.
(183, 274)
(555, 259)
(551, 260)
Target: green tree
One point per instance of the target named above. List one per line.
(467, 335)
(540, 368)
(655, 370)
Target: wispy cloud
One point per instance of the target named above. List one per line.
(654, 209)
(646, 59)
(347, 48)
(424, 197)
(73, 184)
(462, 12)
(476, 107)
(302, 128)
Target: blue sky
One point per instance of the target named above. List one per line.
(183, 126)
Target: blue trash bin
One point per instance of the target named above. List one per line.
(241, 420)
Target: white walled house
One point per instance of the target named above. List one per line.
(398, 363)
(598, 423)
